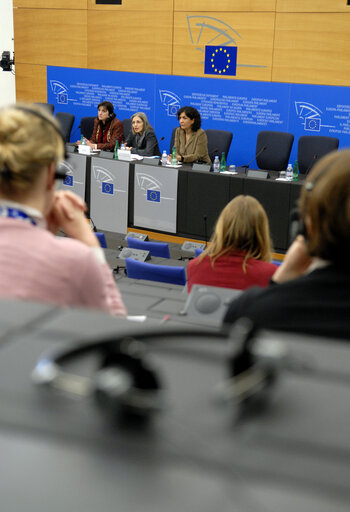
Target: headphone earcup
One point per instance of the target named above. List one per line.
(127, 385)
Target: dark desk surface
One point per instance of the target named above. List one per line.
(60, 453)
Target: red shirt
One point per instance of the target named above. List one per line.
(228, 272)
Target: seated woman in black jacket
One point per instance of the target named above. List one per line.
(142, 139)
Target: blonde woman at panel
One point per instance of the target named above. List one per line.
(142, 140)
(34, 263)
(239, 254)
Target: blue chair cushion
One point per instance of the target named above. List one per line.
(160, 249)
(160, 273)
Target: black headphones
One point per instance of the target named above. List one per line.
(60, 173)
(129, 385)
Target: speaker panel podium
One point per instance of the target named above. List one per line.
(75, 166)
(155, 197)
(109, 192)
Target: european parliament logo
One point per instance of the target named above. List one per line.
(220, 60)
(153, 195)
(107, 188)
(68, 180)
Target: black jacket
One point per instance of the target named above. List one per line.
(145, 145)
(317, 303)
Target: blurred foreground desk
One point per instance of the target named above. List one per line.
(61, 453)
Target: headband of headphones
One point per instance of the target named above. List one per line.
(60, 173)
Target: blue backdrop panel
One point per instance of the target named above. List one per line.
(242, 107)
(79, 91)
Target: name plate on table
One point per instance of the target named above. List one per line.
(201, 167)
(84, 149)
(262, 175)
(124, 154)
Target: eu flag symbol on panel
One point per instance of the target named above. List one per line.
(107, 188)
(220, 60)
(68, 180)
(153, 195)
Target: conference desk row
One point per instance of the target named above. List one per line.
(180, 201)
(60, 451)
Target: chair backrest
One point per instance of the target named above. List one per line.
(278, 147)
(313, 147)
(87, 126)
(197, 252)
(66, 121)
(48, 106)
(219, 141)
(102, 239)
(172, 139)
(160, 249)
(126, 126)
(160, 273)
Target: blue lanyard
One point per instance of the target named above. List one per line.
(14, 213)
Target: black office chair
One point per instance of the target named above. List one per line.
(47, 106)
(126, 126)
(273, 150)
(87, 126)
(66, 121)
(172, 140)
(219, 141)
(313, 147)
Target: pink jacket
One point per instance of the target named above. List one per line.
(36, 265)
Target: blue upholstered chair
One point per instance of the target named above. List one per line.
(197, 252)
(219, 141)
(87, 126)
(159, 249)
(102, 239)
(313, 147)
(273, 150)
(47, 106)
(160, 273)
(66, 121)
(126, 126)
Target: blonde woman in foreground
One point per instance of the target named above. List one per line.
(34, 263)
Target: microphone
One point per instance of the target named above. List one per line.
(150, 149)
(205, 218)
(255, 157)
(94, 228)
(314, 158)
(214, 153)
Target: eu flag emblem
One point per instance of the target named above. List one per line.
(68, 180)
(153, 195)
(107, 188)
(220, 60)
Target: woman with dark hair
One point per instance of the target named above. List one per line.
(239, 254)
(142, 140)
(107, 128)
(190, 140)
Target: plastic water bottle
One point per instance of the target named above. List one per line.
(122, 146)
(116, 147)
(83, 141)
(296, 171)
(164, 158)
(289, 173)
(223, 162)
(216, 164)
(173, 156)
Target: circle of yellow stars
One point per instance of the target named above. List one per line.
(212, 61)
